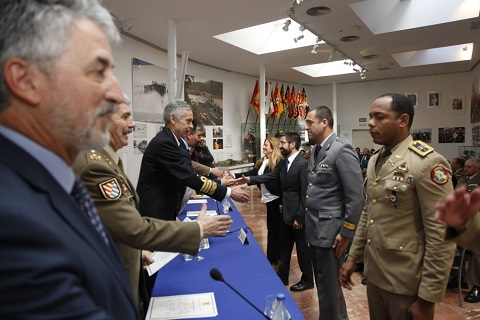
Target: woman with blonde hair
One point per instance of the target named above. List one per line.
(270, 196)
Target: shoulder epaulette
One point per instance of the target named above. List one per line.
(420, 147)
(93, 155)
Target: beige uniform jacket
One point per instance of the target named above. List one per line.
(117, 203)
(402, 245)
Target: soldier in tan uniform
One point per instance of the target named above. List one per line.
(407, 261)
(117, 204)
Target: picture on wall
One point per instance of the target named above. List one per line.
(217, 132)
(414, 97)
(149, 91)
(206, 99)
(139, 146)
(424, 134)
(475, 110)
(451, 135)
(476, 135)
(457, 105)
(433, 99)
(217, 144)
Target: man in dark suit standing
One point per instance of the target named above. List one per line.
(57, 95)
(333, 207)
(291, 173)
(167, 169)
(364, 160)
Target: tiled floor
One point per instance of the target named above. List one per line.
(254, 213)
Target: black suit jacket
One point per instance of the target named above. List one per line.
(53, 264)
(293, 186)
(166, 170)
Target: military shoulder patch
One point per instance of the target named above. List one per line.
(439, 175)
(110, 189)
(420, 147)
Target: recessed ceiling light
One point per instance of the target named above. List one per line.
(383, 69)
(318, 11)
(370, 56)
(349, 38)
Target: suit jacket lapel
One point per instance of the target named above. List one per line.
(326, 146)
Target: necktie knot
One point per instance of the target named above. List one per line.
(317, 150)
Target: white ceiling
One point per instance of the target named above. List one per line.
(197, 21)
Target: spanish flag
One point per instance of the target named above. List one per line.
(255, 101)
(281, 107)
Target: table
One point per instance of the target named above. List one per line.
(244, 267)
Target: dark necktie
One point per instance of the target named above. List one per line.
(315, 153)
(85, 202)
(286, 167)
(381, 160)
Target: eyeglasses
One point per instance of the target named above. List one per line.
(283, 142)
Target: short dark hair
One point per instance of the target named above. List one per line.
(401, 105)
(323, 112)
(460, 161)
(292, 136)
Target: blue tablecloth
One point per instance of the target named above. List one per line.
(244, 267)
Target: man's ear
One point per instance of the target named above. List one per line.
(23, 80)
(404, 119)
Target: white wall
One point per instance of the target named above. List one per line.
(353, 100)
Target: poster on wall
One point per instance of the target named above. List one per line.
(476, 135)
(451, 135)
(424, 134)
(433, 99)
(457, 105)
(217, 133)
(475, 112)
(206, 99)
(149, 91)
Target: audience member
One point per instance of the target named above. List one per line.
(203, 154)
(165, 171)
(457, 170)
(117, 202)
(307, 154)
(271, 192)
(57, 93)
(291, 175)
(407, 262)
(333, 207)
(357, 150)
(364, 160)
(465, 156)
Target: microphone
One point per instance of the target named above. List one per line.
(217, 276)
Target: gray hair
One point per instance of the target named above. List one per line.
(38, 31)
(176, 108)
(127, 100)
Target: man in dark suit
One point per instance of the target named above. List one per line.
(291, 173)
(57, 95)
(333, 207)
(167, 170)
(364, 160)
(101, 170)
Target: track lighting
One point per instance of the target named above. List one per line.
(332, 54)
(314, 49)
(287, 24)
(362, 76)
(300, 37)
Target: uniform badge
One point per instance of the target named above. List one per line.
(402, 168)
(439, 175)
(110, 189)
(398, 176)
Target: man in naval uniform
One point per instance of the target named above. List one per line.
(407, 261)
(117, 204)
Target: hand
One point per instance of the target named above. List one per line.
(422, 310)
(230, 175)
(213, 225)
(297, 225)
(345, 274)
(228, 182)
(216, 172)
(340, 243)
(242, 180)
(239, 195)
(199, 153)
(458, 207)
(147, 258)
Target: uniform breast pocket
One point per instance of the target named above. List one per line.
(398, 192)
(324, 169)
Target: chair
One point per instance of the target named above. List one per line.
(458, 268)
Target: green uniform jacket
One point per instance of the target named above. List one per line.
(469, 237)
(117, 205)
(401, 242)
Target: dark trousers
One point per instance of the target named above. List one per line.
(330, 295)
(289, 237)
(274, 218)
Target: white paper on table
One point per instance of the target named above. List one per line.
(194, 201)
(199, 305)
(206, 244)
(161, 259)
(195, 213)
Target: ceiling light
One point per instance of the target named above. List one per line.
(362, 76)
(314, 49)
(300, 37)
(465, 48)
(299, 1)
(287, 24)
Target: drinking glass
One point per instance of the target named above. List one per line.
(198, 257)
(269, 305)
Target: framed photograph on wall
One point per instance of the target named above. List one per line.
(433, 99)
(414, 97)
(457, 104)
(451, 135)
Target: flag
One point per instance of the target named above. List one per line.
(293, 112)
(255, 101)
(302, 104)
(276, 101)
(281, 106)
(271, 111)
(286, 102)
